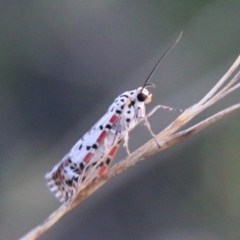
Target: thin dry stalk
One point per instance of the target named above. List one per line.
(166, 138)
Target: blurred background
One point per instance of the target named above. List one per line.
(62, 63)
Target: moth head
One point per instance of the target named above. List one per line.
(143, 95)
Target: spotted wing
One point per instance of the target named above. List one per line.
(88, 154)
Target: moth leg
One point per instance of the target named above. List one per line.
(105, 142)
(126, 136)
(142, 117)
(148, 126)
(164, 108)
(117, 130)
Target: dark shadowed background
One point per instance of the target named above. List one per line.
(62, 63)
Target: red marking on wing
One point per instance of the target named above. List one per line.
(113, 151)
(113, 119)
(87, 157)
(59, 175)
(101, 136)
(102, 170)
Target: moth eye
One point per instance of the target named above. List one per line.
(141, 97)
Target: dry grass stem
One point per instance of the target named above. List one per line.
(168, 137)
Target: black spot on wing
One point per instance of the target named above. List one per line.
(88, 147)
(108, 126)
(75, 179)
(81, 165)
(108, 161)
(69, 182)
(95, 146)
(118, 111)
(76, 170)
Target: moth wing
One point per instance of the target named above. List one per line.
(102, 166)
(63, 180)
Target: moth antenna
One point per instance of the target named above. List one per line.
(159, 61)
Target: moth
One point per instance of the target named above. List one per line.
(90, 157)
